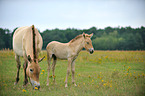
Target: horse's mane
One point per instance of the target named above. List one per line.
(34, 43)
(77, 37)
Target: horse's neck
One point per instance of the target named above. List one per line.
(77, 45)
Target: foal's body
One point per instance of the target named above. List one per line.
(68, 51)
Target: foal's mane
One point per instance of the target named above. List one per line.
(77, 37)
(34, 43)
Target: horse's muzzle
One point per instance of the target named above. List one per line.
(91, 50)
(36, 85)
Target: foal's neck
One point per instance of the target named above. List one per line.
(77, 45)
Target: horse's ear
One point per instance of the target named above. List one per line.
(91, 35)
(84, 35)
(41, 59)
(29, 58)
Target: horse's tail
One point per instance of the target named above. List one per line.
(34, 43)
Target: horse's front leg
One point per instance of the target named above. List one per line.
(25, 75)
(73, 72)
(18, 68)
(68, 71)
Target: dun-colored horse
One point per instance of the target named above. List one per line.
(27, 42)
(68, 51)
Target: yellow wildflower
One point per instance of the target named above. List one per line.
(102, 80)
(104, 84)
(135, 77)
(50, 76)
(43, 71)
(54, 76)
(84, 83)
(36, 88)
(23, 90)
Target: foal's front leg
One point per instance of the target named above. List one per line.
(68, 71)
(49, 61)
(73, 72)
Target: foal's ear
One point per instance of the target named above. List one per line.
(84, 35)
(29, 58)
(41, 59)
(91, 35)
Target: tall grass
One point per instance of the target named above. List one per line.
(102, 73)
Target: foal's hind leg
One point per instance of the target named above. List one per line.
(18, 68)
(53, 67)
(68, 71)
(49, 57)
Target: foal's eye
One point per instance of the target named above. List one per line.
(87, 42)
(31, 70)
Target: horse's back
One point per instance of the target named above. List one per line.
(17, 40)
(21, 34)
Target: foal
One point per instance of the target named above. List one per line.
(68, 51)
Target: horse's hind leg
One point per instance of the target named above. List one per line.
(49, 57)
(53, 67)
(18, 68)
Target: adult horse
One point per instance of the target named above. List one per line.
(68, 51)
(27, 42)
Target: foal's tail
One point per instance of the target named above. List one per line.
(54, 57)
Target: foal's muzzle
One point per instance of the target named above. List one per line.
(91, 50)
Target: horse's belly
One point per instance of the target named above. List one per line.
(18, 49)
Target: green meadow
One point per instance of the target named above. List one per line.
(103, 73)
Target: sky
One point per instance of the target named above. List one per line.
(78, 14)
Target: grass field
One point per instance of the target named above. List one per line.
(104, 73)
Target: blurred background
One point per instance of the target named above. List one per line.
(116, 24)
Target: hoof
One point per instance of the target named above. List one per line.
(15, 83)
(47, 84)
(66, 86)
(75, 85)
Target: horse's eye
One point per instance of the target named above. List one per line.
(31, 70)
(87, 42)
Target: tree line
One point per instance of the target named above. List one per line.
(119, 38)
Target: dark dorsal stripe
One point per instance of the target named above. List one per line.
(34, 42)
